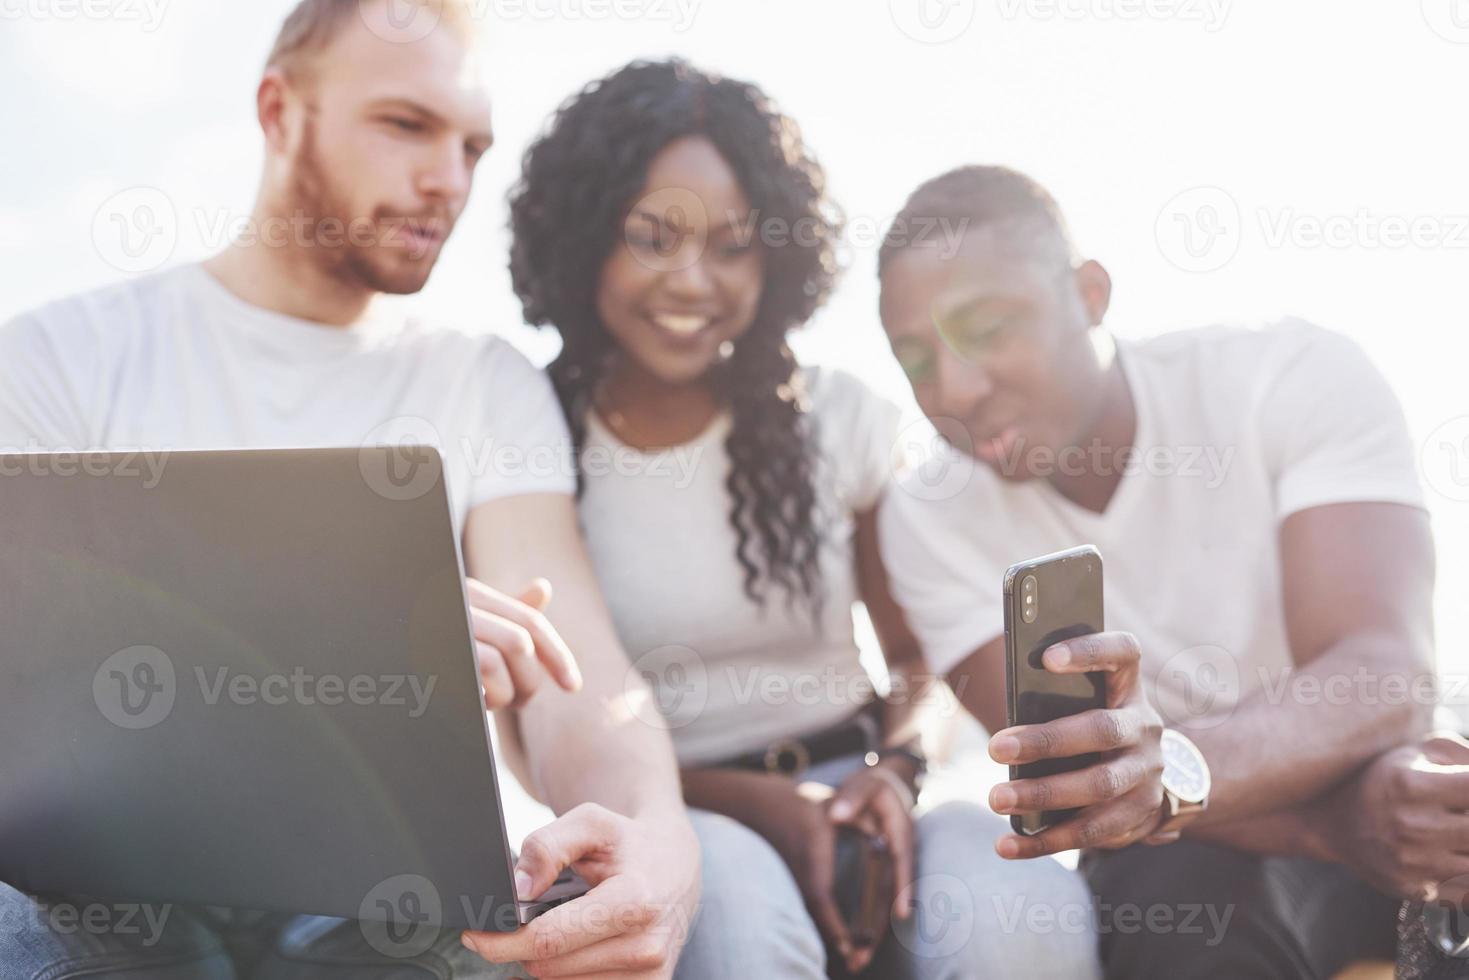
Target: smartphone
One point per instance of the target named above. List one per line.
(863, 884)
(1048, 600)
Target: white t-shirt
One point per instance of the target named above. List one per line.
(728, 676)
(1236, 430)
(175, 361)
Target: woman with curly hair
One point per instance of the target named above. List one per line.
(673, 229)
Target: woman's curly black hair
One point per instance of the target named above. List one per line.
(578, 181)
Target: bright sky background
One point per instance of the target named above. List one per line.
(1348, 112)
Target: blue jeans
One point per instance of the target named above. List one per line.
(974, 918)
(62, 937)
(976, 915)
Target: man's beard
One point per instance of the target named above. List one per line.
(384, 262)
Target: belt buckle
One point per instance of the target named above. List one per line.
(787, 757)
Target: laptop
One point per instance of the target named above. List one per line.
(248, 678)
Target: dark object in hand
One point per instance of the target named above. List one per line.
(863, 883)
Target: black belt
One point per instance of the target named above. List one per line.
(793, 756)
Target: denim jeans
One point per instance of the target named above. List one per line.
(976, 915)
(61, 937)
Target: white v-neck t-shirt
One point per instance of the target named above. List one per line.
(175, 361)
(1237, 429)
(728, 676)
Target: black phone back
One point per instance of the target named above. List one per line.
(1048, 600)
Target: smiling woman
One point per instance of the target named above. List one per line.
(673, 260)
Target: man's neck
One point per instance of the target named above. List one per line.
(285, 281)
(1109, 436)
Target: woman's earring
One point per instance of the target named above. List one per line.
(726, 350)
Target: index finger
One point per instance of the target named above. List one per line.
(551, 649)
(1096, 730)
(1117, 655)
(602, 913)
(1111, 652)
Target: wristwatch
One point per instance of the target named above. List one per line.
(1186, 784)
(913, 752)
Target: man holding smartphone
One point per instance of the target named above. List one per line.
(1255, 497)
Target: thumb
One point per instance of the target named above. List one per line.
(1446, 749)
(537, 595)
(851, 799)
(560, 844)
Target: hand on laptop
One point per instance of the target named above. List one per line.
(517, 646)
(645, 890)
(1122, 795)
(1401, 823)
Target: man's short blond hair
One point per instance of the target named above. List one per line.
(313, 24)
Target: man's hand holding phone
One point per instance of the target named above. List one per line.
(1121, 796)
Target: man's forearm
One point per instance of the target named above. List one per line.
(593, 747)
(1306, 730)
(1297, 832)
(602, 744)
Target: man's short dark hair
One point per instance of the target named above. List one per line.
(975, 198)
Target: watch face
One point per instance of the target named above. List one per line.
(1185, 773)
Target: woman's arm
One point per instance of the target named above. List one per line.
(914, 687)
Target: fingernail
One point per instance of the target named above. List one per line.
(523, 885)
(841, 810)
(1008, 847)
(1003, 748)
(1059, 655)
(1003, 799)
